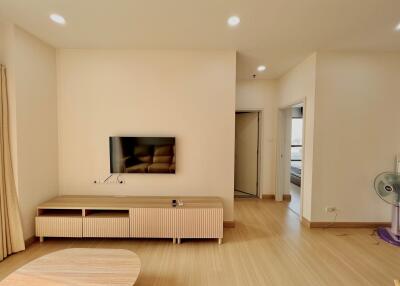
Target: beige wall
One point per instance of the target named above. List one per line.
(31, 68)
(186, 94)
(262, 95)
(356, 132)
(36, 106)
(2, 42)
(353, 98)
(295, 86)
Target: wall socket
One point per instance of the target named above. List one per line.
(330, 209)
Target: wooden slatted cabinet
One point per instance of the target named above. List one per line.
(135, 217)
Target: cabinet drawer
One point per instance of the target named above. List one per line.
(177, 222)
(153, 222)
(200, 223)
(105, 227)
(58, 226)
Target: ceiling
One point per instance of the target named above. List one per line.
(276, 33)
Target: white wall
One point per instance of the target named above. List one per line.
(31, 69)
(262, 95)
(297, 85)
(356, 133)
(186, 94)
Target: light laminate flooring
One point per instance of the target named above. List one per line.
(268, 246)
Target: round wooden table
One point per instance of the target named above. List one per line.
(79, 266)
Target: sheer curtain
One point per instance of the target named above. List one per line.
(11, 236)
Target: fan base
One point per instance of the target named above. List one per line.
(386, 235)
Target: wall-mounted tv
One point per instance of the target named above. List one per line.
(142, 155)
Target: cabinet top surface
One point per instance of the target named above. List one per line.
(127, 202)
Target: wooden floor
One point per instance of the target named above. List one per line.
(267, 247)
(295, 200)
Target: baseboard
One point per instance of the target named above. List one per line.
(30, 241)
(305, 222)
(268, 197)
(229, 223)
(286, 197)
(342, 224)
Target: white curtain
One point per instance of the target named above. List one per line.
(11, 236)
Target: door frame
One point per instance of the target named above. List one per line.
(259, 146)
(283, 151)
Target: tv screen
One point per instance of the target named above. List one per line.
(142, 155)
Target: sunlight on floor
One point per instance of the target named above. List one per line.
(294, 204)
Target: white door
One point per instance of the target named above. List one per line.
(246, 152)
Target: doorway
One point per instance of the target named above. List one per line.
(247, 126)
(290, 156)
(296, 160)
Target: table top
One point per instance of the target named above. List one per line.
(126, 202)
(80, 267)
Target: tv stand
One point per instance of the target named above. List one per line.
(130, 217)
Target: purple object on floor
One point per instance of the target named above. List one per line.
(385, 234)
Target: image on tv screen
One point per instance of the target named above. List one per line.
(142, 155)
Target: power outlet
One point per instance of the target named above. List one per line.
(330, 209)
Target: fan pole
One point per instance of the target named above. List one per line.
(395, 220)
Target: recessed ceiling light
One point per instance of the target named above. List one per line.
(233, 21)
(56, 18)
(261, 68)
(397, 27)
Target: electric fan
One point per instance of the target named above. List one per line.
(387, 186)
